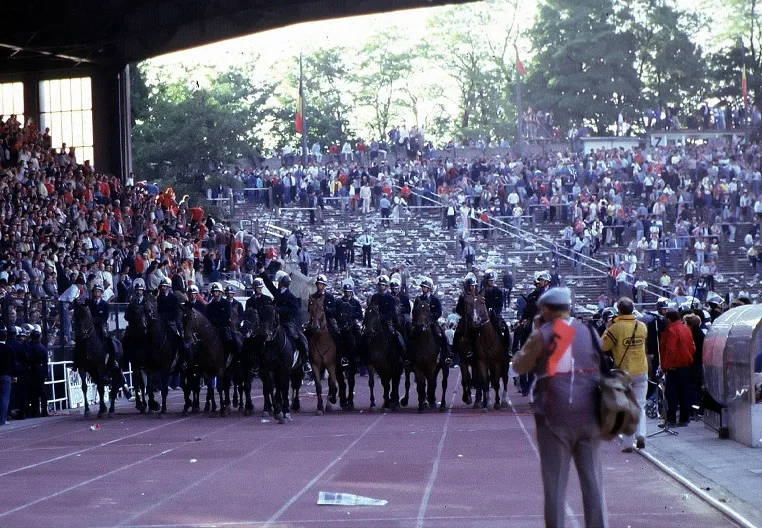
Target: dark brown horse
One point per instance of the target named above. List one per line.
(135, 343)
(162, 357)
(322, 353)
(280, 364)
(350, 341)
(92, 359)
(423, 347)
(489, 353)
(381, 358)
(208, 356)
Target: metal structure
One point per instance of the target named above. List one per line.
(732, 346)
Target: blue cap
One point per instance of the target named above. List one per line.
(556, 297)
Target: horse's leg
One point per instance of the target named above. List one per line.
(465, 381)
(333, 387)
(297, 377)
(371, 386)
(247, 379)
(83, 385)
(223, 389)
(112, 396)
(406, 398)
(445, 375)
(351, 373)
(152, 403)
(164, 392)
(386, 382)
(484, 384)
(102, 404)
(342, 383)
(394, 381)
(420, 385)
(431, 386)
(318, 370)
(186, 385)
(267, 393)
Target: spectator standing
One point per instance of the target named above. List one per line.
(626, 340)
(366, 242)
(565, 407)
(676, 351)
(507, 287)
(386, 208)
(329, 254)
(469, 253)
(365, 196)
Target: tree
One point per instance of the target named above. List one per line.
(382, 75)
(583, 70)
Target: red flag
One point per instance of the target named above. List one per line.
(300, 103)
(520, 67)
(744, 93)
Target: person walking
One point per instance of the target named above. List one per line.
(562, 351)
(626, 340)
(676, 351)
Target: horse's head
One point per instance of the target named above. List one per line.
(83, 320)
(372, 321)
(250, 325)
(269, 321)
(477, 314)
(317, 314)
(137, 316)
(423, 313)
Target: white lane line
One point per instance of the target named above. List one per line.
(435, 466)
(325, 470)
(569, 511)
(723, 508)
(112, 472)
(236, 461)
(80, 451)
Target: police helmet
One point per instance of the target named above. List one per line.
(662, 303)
(544, 276)
(22, 331)
(394, 282)
(165, 282)
(36, 330)
(139, 284)
(489, 275)
(285, 281)
(347, 287)
(321, 279)
(383, 280)
(97, 286)
(193, 289)
(259, 283)
(229, 290)
(426, 283)
(714, 299)
(216, 286)
(13, 330)
(470, 280)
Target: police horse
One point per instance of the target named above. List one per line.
(381, 358)
(208, 359)
(322, 350)
(423, 348)
(92, 359)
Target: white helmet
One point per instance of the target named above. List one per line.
(321, 279)
(544, 276)
(259, 283)
(165, 282)
(193, 289)
(394, 282)
(139, 284)
(383, 280)
(216, 286)
(97, 286)
(36, 329)
(427, 283)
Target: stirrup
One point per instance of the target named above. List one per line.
(307, 368)
(344, 362)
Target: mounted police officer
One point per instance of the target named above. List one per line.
(465, 300)
(219, 313)
(287, 305)
(168, 309)
(435, 312)
(388, 310)
(349, 305)
(138, 291)
(715, 303)
(236, 308)
(195, 299)
(258, 299)
(329, 307)
(493, 300)
(100, 310)
(404, 303)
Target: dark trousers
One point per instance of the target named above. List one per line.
(304, 268)
(351, 250)
(385, 216)
(366, 256)
(679, 394)
(38, 396)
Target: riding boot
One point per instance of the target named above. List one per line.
(402, 350)
(302, 347)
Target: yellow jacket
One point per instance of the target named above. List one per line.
(618, 336)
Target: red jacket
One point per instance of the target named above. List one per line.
(676, 346)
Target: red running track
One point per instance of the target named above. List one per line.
(456, 469)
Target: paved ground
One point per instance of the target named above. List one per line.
(456, 469)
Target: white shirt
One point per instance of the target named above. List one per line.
(71, 294)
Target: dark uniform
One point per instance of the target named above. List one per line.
(168, 308)
(288, 307)
(20, 389)
(435, 312)
(493, 300)
(349, 314)
(388, 310)
(331, 314)
(236, 312)
(38, 373)
(198, 305)
(405, 309)
(524, 330)
(465, 299)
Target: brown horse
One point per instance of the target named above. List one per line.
(464, 344)
(381, 358)
(424, 349)
(322, 353)
(208, 356)
(488, 353)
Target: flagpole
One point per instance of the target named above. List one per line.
(304, 117)
(519, 134)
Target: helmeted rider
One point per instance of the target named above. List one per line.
(493, 300)
(236, 308)
(348, 304)
(435, 312)
(388, 311)
(196, 300)
(219, 313)
(258, 299)
(404, 302)
(100, 310)
(138, 291)
(715, 303)
(287, 305)
(329, 307)
(168, 309)
(464, 300)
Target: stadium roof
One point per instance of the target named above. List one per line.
(40, 35)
